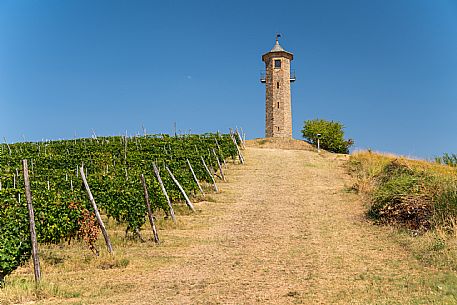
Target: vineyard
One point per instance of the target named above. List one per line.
(115, 167)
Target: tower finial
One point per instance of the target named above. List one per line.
(277, 37)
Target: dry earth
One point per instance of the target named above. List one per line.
(283, 230)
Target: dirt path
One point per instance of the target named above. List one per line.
(282, 231)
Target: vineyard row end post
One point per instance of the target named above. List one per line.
(209, 173)
(188, 202)
(28, 195)
(164, 191)
(195, 177)
(148, 205)
(97, 213)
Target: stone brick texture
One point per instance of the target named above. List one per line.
(278, 114)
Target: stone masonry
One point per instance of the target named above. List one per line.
(278, 118)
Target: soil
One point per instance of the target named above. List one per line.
(283, 230)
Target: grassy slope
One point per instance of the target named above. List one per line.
(283, 230)
(436, 246)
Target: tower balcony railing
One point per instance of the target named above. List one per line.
(263, 76)
(292, 76)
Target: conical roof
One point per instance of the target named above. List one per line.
(277, 49)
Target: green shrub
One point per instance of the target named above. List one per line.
(401, 196)
(332, 135)
(448, 159)
(445, 208)
(408, 194)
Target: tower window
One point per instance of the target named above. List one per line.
(277, 63)
(278, 128)
(277, 85)
(278, 104)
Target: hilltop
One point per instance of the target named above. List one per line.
(280, 143)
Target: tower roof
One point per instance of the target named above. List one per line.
(278, 49)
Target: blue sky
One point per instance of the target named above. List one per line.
(386, 69)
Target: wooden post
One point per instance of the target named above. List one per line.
(243, 135)
(221, 152)
(97, 214)
(188, 202)
(148, 205)
(209, 173)
(240, 156)
(9, 149)
(193, 175)
(219, 165)
(241, 139)
(157, 173)
(28, 195)
(125, 148)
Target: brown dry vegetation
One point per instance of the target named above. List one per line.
(283, 230)
(433, 203)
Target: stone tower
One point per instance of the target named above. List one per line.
(277, 79)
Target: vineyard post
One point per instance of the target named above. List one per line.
(209, 173)
(189, 203)
(221, 152)
(243, 135)
(125, 148)
(9, 149)
(241, 139)
(28, 195)
(195, 177)
(219, 165)
(156, 172)
(97, 214)
(148, 205)
(240, 156)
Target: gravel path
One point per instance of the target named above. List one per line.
(283, 230)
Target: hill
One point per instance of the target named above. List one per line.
(283, 230)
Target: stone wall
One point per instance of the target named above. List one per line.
(278, 115)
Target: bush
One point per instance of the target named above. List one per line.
(412, 194)
(448, 159)
(402, 196)
(332, 135)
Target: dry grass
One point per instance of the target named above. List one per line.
(437, 247)
(280, 143)
(282, 231)
(374, 162)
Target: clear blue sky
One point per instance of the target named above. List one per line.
(386, 69)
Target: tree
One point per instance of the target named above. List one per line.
(332, 135)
